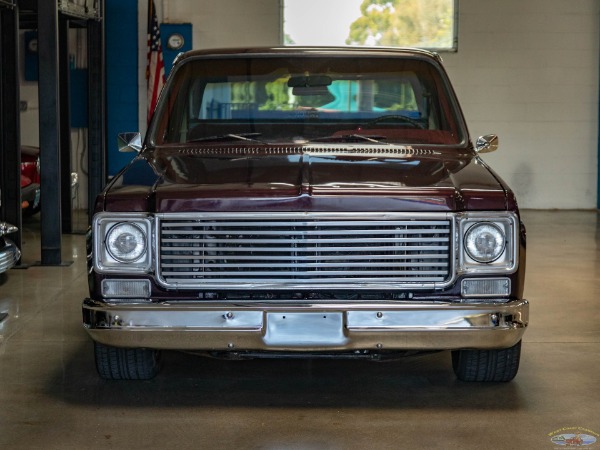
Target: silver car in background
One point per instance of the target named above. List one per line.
(9, 252)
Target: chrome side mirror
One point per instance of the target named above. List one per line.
(130, 142)
(486, 144)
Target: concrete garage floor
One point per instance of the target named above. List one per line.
(51, 398)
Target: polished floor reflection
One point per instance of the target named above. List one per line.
(51, 398)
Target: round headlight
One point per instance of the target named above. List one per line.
(484, 242)
(126, 242)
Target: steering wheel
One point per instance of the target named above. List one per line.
(398, 117)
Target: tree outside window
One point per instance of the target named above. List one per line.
(427, 24)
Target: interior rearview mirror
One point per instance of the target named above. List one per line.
(310, 85)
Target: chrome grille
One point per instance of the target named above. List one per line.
(316, 251)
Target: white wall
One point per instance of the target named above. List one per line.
(528, 71)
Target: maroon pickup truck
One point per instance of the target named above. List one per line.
(307, 202)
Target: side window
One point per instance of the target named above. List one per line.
(393, 95)
(236, 99)
(216, 101)
(277, 96)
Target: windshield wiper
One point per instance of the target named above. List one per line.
(395, 117)
(375, 138)
(230, 137)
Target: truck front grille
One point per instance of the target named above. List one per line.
(312, 251)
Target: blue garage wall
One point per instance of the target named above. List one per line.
(121, 21)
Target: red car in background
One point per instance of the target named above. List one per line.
(30, 179)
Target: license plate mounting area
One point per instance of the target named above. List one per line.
(305, 329)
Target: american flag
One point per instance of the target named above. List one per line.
(155, 70)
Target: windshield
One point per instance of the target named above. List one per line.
(307, 99)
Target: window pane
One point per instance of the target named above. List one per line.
(426, 24)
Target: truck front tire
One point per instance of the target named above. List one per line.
(487, 365)
(113, 363)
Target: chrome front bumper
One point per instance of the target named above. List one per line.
(9, 255)
(306, 328)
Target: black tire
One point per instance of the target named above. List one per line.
(487, 365)
(113, 363)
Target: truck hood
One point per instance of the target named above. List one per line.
(324, 179)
